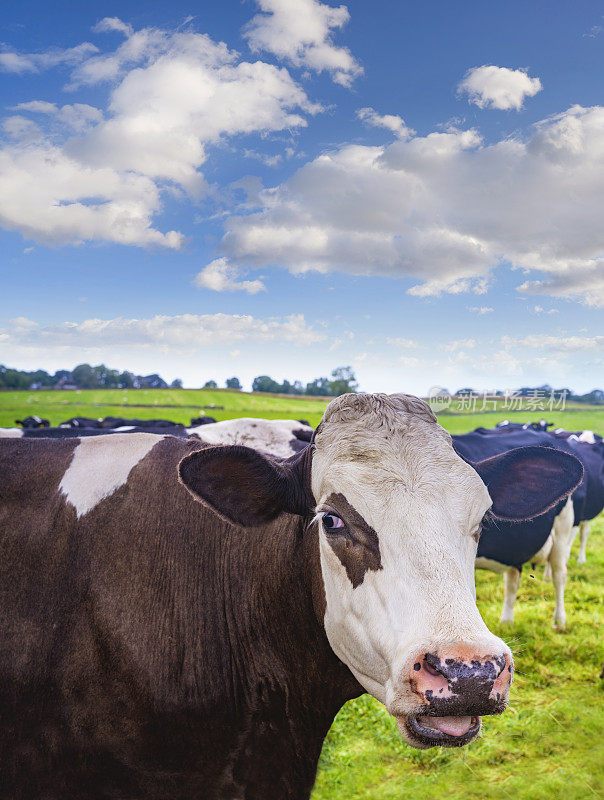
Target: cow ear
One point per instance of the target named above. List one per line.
(528, 481)
(243, 486)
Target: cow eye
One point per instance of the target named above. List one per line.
(331, 522)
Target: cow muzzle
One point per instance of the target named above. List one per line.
(452, 693)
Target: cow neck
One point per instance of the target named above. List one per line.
(297, 684)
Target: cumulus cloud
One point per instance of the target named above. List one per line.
(480, 310)
(391, 122)
(220, 276)
(300, 32)
(498, 87)
(180, 332)
(78, 117)
(444, 209)
(101, 176)
(36, 62)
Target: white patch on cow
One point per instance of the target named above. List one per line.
(490, 564)
(100, 465)
(272, 436)
(587, 436)
(11, 433)
(124, 428)
(396, 466)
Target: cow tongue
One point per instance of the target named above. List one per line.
(453, 726)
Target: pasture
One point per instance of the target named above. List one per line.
(549, 742)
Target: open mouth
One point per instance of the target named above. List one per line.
(431, 731)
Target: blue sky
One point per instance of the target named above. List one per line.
(284, 186)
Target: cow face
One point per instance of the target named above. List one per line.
(398, 515)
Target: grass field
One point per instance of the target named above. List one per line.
(182, 404)
(550, 743)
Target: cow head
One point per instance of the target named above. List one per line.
(398, 516)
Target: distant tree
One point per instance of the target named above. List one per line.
(210, 385)
(84, 376)
(233, 383)
(343, 380)
(319, 387)
(61, 373)
(176, 384)
(465, 392)
(126, 380)
(264, 383)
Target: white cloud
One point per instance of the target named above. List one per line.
(299, 32)
(181, 332)
(77, 117)
(20, 128)
(49, 197)
(459, 344)
(444, 209)
(498, 87)
(410, 344)
(220, 276)
(541, 310)
(557, 344)
(391, 122)
(113, 25)
(36, 62)
(98, 176)
(480, 310)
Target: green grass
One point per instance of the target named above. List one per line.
(548, 744)
(178, 405)
(182, 404)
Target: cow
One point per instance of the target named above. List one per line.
(280, 437)
(180, 620)
(202, 420)
(33, 422)
(112, 423)
(588, 447)
(546, 539)
(505, 426)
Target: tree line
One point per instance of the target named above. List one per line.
(85, 376)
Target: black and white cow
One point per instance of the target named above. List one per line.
(279, 437)
(589, 448)
(180, 620)
(547, 539)
(33, 422)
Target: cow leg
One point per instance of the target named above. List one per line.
(563, 536)
(547, 572)
(584, 533)
(511, 582)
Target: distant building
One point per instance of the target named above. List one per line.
(65, 383)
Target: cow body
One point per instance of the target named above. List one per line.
(546, 539)
(180, 620)
(118, 645)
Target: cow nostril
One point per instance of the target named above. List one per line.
(433, 666)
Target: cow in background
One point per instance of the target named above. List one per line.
(546, 539)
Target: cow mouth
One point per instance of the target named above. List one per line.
(431, 731)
